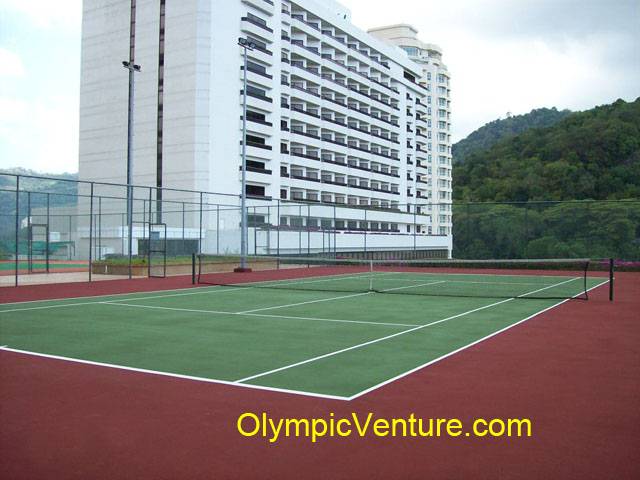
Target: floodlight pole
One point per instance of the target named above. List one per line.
(244, 233)
(133, 69)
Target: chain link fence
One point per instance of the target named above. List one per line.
(81, 230)
(104, 230)
(569, 229)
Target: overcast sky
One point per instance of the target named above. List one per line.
(504, 56)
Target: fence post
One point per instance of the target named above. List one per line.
(91, 236)
(123, 222)
(366, 226)
(308, 230)
(468, 228)
(17, 261)
(48, 232)
(99, 255)
(217, 229)
(300, 230)
(415, 229)
(149, 234)
(131, 191)
(69, 249)
(200, 227)
(526, 231)
(29, 236)
(335, 231)
(193, 269)
(278, 233)
(182, 224)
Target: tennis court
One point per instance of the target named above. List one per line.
(330, 330)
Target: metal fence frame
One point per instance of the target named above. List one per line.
(205, 206)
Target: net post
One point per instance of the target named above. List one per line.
(611, 278)
(193, 269)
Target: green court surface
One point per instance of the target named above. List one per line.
(325, 335)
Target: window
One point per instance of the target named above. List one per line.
(253, 140)
(412, 51)
(256, 165)
(256, 92)
(256, 117)
(255, 190)
(256, 67)
(256, 19)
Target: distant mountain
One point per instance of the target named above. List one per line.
(26, 171)
(65, 194)
(35, 185)
(493, 132)
(593, 154)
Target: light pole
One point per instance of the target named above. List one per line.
(246, 45)
(133, 69)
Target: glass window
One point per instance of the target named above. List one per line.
(412, 51)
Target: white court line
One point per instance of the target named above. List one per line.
(413, 272)
(469, 281)
(388, 337)
(286, 317)
(207, 289)
(337, 298)
(244, 286)
(211, 289)
(412, 286)
(49, 306)
(173, 375)
(551, 286)
(469, 345)
(305, 303)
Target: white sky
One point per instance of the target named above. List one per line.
(504, 56)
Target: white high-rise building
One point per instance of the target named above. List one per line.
(336, 116)
(436, 80)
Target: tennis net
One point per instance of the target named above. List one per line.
(533, 279)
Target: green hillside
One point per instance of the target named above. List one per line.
(573, 177)
(491, 133)
(588, 155)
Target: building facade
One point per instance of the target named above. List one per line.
(339, 119)
(435, 78)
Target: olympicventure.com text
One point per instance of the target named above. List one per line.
(358, 425)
